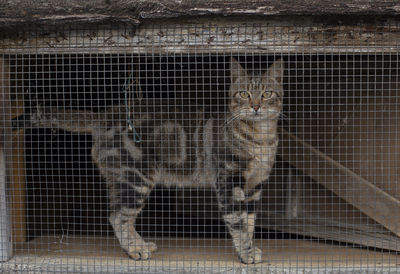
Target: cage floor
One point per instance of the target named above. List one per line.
(94, 254)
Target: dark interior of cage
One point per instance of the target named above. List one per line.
(65, 193)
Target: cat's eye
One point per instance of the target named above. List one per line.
(244, 94)
(266, 94)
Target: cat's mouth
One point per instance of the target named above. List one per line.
(261, 115)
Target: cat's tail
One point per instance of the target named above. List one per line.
(66, 119)
(21, 122)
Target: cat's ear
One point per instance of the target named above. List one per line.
(237, 71)
(276, 70)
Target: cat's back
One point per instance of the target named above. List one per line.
(175, 141)
(180, 111)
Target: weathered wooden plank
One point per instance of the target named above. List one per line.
(313, 211)
(53, 11)
(72, 254)
(349, 186)
(364, 235)
(267, 36)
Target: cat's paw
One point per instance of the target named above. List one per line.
(142, 251)
(250, 256)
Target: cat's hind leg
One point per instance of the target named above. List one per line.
(123, 223)
(128, 192)
(238, 209)
(132, 197)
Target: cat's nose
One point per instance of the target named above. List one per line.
(256, 107)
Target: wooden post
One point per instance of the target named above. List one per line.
(14, 154)
(5, 133)
(5, 226)
(17, 185)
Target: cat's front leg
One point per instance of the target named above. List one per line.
(238, 209)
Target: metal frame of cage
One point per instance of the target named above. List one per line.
(260, 37)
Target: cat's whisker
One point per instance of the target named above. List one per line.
(227, 122)
(232, 118)
(284, 117)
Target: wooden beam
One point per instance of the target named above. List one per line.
(364, 235)
(349, 186)
(177, 255)
(5, 133)
(269, 36)
(134, 11)
(17, 179)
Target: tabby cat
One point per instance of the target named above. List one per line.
(186, 147)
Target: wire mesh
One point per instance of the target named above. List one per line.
(169, 132)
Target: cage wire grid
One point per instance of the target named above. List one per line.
(102, 126)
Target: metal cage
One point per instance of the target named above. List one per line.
(330, 203)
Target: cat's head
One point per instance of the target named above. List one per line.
(258, 96)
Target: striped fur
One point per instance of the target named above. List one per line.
(188, 147)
